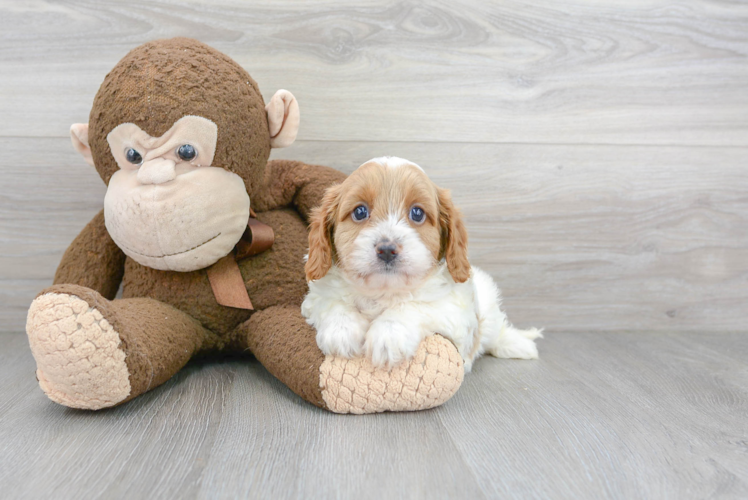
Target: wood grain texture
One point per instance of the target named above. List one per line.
(620, 72)
(587, 238)
(629, 415)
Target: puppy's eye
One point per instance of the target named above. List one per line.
(186, 152)
(133, 156)
(417, 215)
(360, 213)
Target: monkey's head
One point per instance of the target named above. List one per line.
(180, 134)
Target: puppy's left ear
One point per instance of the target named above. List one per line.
(454, 238)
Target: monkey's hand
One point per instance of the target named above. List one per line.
(289, 182)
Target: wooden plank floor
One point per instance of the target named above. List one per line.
(628, 415)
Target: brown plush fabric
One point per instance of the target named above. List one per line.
(93, 260)
(159, 82)
(289, 182)
(285, 344)
(274, 277)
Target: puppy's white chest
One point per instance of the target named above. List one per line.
(370, 307)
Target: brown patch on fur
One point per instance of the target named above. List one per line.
(321, 227)
(454, 238)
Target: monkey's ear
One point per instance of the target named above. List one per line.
(283, 119)
(79, 136)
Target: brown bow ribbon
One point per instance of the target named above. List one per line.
(224, 276)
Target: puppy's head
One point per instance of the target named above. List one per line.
(386, 226)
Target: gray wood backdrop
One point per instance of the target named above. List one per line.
(599, 150)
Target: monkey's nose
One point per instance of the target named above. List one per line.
(387, 252)
(157, 171)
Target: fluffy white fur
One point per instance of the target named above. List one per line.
(388, 324)
(385, 313)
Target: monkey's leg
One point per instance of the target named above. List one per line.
(92, 353)
(285, 344)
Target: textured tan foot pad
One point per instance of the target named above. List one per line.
(428, 380)
(79, 362)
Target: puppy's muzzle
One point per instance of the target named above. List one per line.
(387, 252)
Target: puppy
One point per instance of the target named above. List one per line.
(388, 266)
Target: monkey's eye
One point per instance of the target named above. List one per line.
(417, 215)
(360, 213)
(133, 156)
(187, 152)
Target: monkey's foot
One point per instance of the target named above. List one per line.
(79, 360)
(426, 381)
(285, 344)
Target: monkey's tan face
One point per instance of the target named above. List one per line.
(167, 208)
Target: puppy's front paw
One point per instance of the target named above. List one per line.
(342, 334)
(390, 342)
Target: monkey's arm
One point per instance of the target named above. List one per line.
(93, 260)
(293, 182)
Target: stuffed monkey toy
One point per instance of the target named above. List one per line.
(181, 135)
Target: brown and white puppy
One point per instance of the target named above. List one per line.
(388, 265)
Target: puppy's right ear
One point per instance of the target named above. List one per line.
(321, 226)
(79, 137)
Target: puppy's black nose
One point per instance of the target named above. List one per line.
(387, 252)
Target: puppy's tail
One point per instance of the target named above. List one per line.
(515, 343)
(532, 333)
